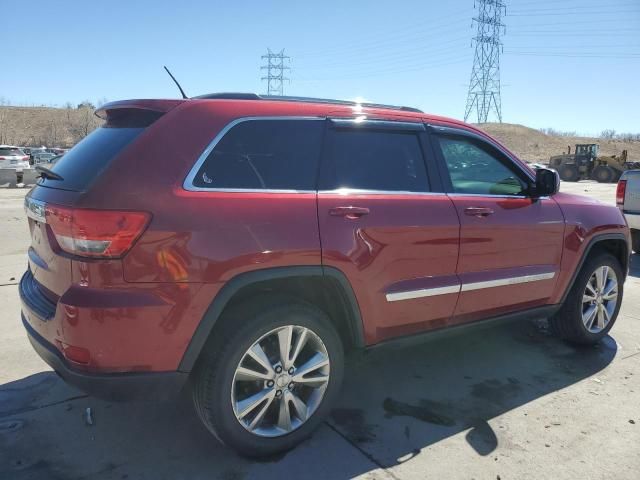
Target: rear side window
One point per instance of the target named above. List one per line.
(374, 160)
(81, 165)
(264, 155)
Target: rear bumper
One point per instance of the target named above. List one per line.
(116, 386)
(633, 219)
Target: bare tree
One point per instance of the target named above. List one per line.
(608, 133)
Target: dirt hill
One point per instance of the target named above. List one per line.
(63, 127)
(534, 146)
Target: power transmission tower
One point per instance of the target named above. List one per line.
(484, 88)
(275, 68)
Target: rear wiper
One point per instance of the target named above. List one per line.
(48, 174)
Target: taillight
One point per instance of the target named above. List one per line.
(95, 233)
(620, 191)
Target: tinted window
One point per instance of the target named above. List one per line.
(477, 169)
(265, 154)
(88, 159)
(374, 160)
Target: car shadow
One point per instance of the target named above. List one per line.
(395, 403)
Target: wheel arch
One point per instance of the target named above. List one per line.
(326, 287)
(614, 243)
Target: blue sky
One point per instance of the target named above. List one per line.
(571, 65)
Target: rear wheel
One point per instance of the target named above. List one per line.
(271, 377)
(603, 174)
(569, 173)
(592, 305)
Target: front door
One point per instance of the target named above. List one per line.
(510, 243)
(384, 226)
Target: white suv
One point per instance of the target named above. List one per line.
(14, 158)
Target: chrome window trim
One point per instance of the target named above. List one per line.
(35, 209)
(365, 191)
(466, 287)
(490, 195)
(188, 181)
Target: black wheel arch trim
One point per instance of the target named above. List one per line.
(592, 243)
(224, 296)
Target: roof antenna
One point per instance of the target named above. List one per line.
(176, 81)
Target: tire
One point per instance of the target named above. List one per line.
(603, 174)
(215, 381)
(616, 176)
(569, 173)
(568, 322)
(635, 241)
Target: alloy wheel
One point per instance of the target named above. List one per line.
(280, 381)
(599, 299)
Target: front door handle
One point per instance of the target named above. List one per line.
(350, 212)
(480, 212)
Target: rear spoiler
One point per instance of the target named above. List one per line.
(159, 107)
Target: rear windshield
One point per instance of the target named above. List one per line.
(81, 165)
(7, 152)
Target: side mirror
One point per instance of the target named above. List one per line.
(547, 182)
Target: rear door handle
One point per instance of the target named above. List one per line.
(349, 212)
(480, 212)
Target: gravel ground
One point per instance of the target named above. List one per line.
(509, 403)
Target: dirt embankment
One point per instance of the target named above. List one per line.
(534, 146)
(63, 127)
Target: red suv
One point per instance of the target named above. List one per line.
(241, 245)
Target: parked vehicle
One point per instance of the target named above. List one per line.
(39, 157)
(52, 161)
(628, 199)
(246, 243)
(12, 157)
(585, 163)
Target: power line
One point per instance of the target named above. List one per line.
(275, 68)
(572, 13)
(484, 87)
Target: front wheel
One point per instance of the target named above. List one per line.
(592, 305)
(273, 378)
(569, 173)
(603, 174)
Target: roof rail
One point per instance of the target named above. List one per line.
(255, 96)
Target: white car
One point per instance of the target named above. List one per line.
(14, 158)
(628, 200)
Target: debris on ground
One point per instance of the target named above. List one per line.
(88, 416)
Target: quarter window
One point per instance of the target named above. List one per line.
(477, 170)
(374, 160)
(264, 154)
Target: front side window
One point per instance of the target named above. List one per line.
(374, 160)
(264, 154)
(477, 169)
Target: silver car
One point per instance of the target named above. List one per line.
(12, 157)
(628, 200)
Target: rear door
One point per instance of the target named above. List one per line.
(385, 223)
(510, 243)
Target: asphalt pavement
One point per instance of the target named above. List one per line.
(508, 402)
